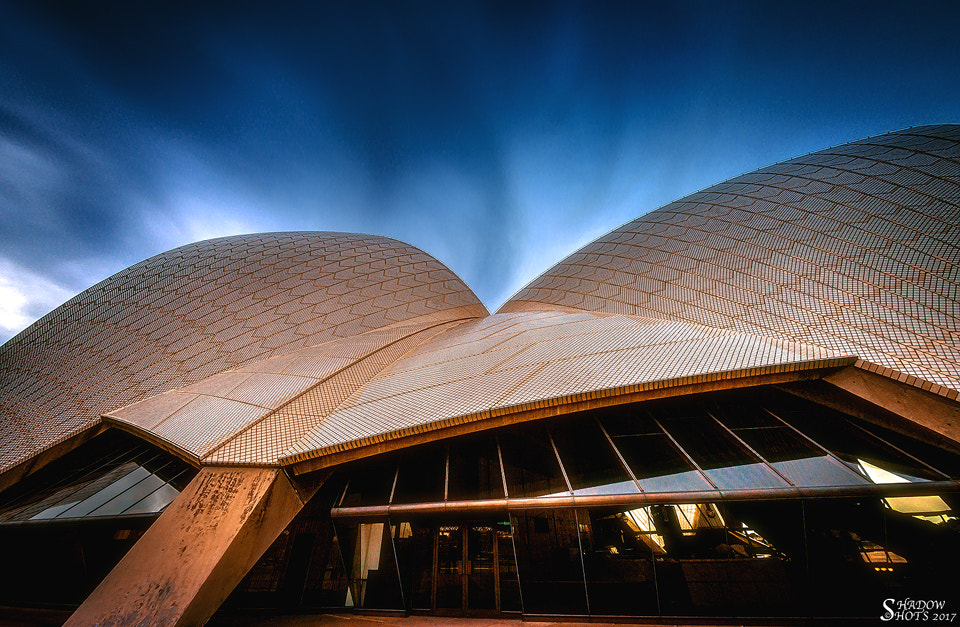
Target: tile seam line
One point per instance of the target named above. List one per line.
(354, 392)
(219, 445)
(794, 242)
(775, 333)
(740, 373)
(726, 334)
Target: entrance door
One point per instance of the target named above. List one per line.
(469, 569)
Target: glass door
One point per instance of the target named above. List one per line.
(450, 567)
(481, 570)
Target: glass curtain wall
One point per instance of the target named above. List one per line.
(752, 503)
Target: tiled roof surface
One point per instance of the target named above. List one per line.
(854, 248)
(276, 348)
(514, 361)
(202, 309)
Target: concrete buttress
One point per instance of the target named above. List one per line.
(194, 555)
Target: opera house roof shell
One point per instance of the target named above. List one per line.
(284, 347)
(774, 360)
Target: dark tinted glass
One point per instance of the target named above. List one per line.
(422, 475)
(475, 469)
(941, 459)
(370, 482)
(129, 497)
(657, 464)
(414, 540)
(851, 444)
(371, 564)
(591, 464)
(725, 461)
(530, 464)
(618, 561)
(849, 555)
(797, 459)
(104, 477)
(627, 420)
(548, 556)
(743, 410)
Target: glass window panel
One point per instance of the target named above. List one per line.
(450, 567)
(88, 486)
(481, 571)
(627, 420)
(725, 461)
(848, 554)
(53, 512)
(618, 559)
(943, 460)
(657, 464)
(509, 581)
(414, 540)
(370, 482)
(740, 411)
(156, 501)
(718, 561)
(530, 464)
(371, 566)
(475, 469)
(129, 497)
(797, 459)
(708, 443)
(835, 433)
(745, 477)
(591, 464)
(422, 475)
(548, 558)
(93, 502)
(58, 488)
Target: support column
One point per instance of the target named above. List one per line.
(196, 553)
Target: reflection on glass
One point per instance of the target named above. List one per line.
(592, 466)
(548, 557)
(530, 464)
(414, 542)
(796, 458)
(372, 573)
(475, 469)
(848, 442)
(845, 541)
(728, 464)
(481, 567)
(155, 501)
(657, 464)
(718, 561)
(940, 458)
(627, 420)
(507, 569)
(450, 567)
(371, 482)
(422, 476)
(618, 550)
(122, 490)
(931, 507)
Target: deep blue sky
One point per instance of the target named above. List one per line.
(497, 136)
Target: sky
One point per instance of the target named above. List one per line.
(497, 136)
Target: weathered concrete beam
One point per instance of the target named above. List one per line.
(196, 553)
(862, 393)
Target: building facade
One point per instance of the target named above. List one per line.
(742, 404)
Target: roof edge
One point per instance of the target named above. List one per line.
(501, 416)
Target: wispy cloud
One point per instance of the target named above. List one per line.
(496, 136)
